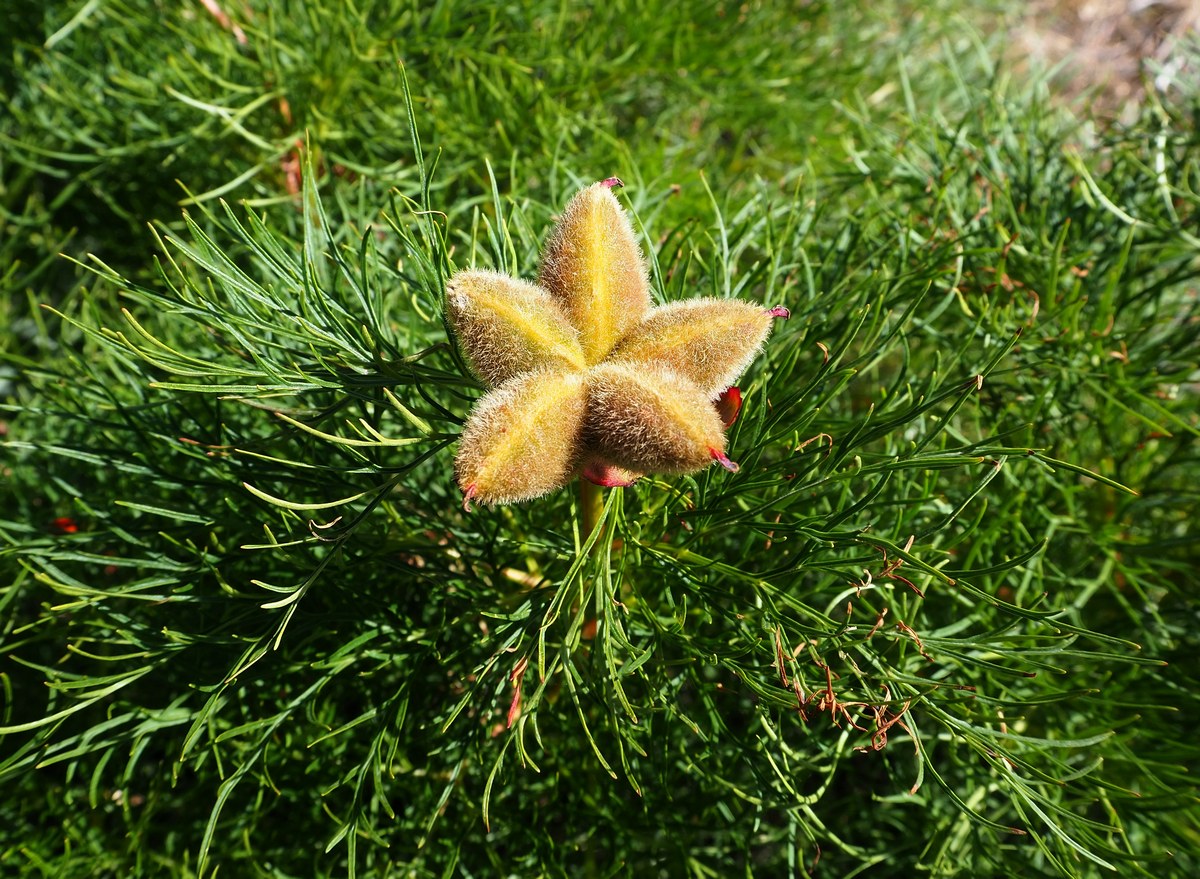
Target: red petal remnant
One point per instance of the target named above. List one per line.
(517, 677)
(613, 183)
(64, 525)
(467, 495)
(729, 404)
(779, 311)
(723, 459)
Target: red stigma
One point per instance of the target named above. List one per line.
(723, 459)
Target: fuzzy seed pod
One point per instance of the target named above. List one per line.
(507, 327)
(522, 440)
(650, 420)
(588, 380)
(593, 266)
(709, 341)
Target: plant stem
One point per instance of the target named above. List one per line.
(591, 505)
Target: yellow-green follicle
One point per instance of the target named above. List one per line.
(600, 301)
(709, 341)
(507, 327)
(593, 266)
(523, 438)
(651, 420)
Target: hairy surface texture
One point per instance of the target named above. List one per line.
(709, 341)
(521, 439)
(649, 419)
(507, 327)
(597, 470)
(593, 266)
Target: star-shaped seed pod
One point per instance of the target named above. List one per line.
(585, 377)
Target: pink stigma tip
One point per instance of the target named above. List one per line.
(779, 311)
(724, 461)
(612, 182)
(467, 495)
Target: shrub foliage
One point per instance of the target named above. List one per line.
(941, 622)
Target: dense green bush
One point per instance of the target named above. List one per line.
(941, 622)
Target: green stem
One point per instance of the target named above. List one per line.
(591, 505)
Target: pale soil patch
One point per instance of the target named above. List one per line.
(1113, 49)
